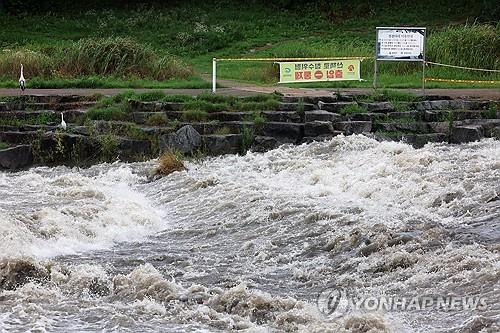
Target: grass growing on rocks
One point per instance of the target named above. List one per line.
(352, 108)
(169, 162)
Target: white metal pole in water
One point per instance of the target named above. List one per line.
(214, 75)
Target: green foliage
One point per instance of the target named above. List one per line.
(300, 107)
(112, 56)
(352, 108)
(151, 96)
(258, 120)
(108, 147)
(4, 145)
(223, 131)
(158, 119)
(65, 52)
(206, 106)
(246, 139)
(107, 113)
(195, 115)
(491, 112)
(59, 149)
(476, 45)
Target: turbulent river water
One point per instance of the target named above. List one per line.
(249, 242)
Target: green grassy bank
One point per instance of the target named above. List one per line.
(170, 45)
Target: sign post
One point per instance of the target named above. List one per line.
(400, 44)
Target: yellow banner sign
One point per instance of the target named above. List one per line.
(315, 71)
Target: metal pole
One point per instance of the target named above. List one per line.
(375, 65)
(214, 75)
(423, 64)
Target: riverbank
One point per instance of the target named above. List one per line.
(139, 126)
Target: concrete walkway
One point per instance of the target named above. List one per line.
(246, 90)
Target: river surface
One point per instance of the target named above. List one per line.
(247, 243)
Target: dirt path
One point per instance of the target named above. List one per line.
(244, 89)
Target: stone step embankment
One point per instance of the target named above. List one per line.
(145, 128)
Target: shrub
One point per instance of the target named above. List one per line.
(169, 162)
(158, 119)
(223, 131)
(195, 115)
(258, 120)
(4, 145)
(106, 113)
(108, 147)
(246, 139)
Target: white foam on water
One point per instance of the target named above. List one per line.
(304, 213)
(45, 213)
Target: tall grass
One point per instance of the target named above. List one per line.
(112, 56)
(475, 45)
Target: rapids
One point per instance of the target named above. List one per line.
(249, 242)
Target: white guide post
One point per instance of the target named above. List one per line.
(214, 75)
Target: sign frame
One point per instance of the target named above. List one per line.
(422, 30)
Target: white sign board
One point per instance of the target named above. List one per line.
(401, 44)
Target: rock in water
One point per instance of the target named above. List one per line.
(186, 139)
(16, 157)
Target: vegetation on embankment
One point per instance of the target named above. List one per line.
(136, 127)
(97, 44)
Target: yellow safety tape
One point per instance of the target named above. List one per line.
(290, 59)
(469, 68)
(459, 81)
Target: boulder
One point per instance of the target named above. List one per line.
(464, 134)
(228, 116)
(496, 133)
(475, 105)
(295, 106)
(321, 115)
(131, 150)
(264, 143)
(414, 127)
(404, 115)
(284, 132)
(222, 144)
(142, 117)
(381, 107)
(16, 157)
(282, 116)
(353, 127)
(186, 139)
(317, 128)
(320, 138)
(420, 140)
(440, 105)
(364, 116)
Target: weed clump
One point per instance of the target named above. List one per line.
(169, 162)
(352, 108)
(158, 119)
